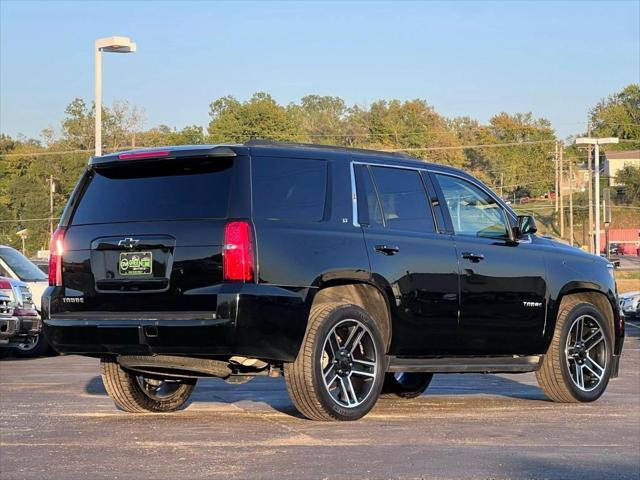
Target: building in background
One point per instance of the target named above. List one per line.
(616, 161)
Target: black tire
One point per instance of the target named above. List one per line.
(32, 349)
(4, 352)
(304, 377)
(405, 384)
(557, 374)
(126, 389)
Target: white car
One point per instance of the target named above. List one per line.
(630, 304)
(15, 265)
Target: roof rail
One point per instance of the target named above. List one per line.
(276, 143)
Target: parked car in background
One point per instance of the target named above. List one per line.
(630, 304)
(14, 264)
(20, 324)
(352, 273)
(616, 249)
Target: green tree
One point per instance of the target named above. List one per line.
(629, 178)
(260, 117)
(619, 116)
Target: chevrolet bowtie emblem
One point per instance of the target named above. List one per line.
(128, 242)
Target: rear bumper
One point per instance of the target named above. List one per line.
(260, 321)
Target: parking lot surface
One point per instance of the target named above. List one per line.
(58, 423)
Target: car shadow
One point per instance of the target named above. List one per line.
(272, 392)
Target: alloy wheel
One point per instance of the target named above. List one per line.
(156, 389)
(349, 363)
(586, 353)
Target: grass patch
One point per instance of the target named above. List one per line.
(627, 281)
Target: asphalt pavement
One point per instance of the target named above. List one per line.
(56, 422)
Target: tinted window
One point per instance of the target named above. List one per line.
(473, 211)
(21, 265)
(369, 209)
(289, 188)
(167, 190)
(404, 201)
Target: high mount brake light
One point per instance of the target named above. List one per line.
(55, 257)
(238, 256)
(151, 154)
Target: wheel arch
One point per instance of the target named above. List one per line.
(363, 294)
(602, 300)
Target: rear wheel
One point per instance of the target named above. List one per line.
(405, 384)
(577, 365)
(339, 370)
(137, 393)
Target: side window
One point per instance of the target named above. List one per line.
(403, 198)
(369, 209)
(289, 188)
(473, 212)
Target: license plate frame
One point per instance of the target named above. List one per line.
(135, 264)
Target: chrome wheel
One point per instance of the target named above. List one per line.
(349, 363)
(158, 390)
(29, 344)
(586, 353)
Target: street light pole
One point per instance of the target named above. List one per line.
(596, 142)
(111, 45)
(98, 101)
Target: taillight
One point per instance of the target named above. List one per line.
(55, 257)
(237, 256)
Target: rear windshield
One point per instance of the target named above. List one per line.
(167, 190)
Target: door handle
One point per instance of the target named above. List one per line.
(387, 250)
(474, 257)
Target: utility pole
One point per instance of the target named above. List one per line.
(557, 181)
(501, 184)
(52, 190)
(596, 192)
(590, 181)
(571, 202)
(560, 148)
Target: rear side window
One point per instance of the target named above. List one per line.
(153, 191)
(289, 188)
(404, 200)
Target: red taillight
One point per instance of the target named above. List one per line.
(238, 258)
(5, 284)
(55, 257)
(149, 154)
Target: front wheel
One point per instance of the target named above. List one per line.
(137, 393)
(31, 347)
(577, 366)
(339, 370)
(405, 384)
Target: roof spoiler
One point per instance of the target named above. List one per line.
(276, 143)
(162, 153)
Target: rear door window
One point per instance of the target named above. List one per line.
(154, 191)
(404, 201)
(289, 188)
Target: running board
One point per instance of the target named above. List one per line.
(505, 364)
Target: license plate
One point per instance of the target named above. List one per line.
(135, 263)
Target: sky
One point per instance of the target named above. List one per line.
(555, 59)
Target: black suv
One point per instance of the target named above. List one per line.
(353, 273)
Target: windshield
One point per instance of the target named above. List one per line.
(21, 266)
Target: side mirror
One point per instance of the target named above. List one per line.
(526, 225)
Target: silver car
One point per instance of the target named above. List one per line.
(630, 304)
